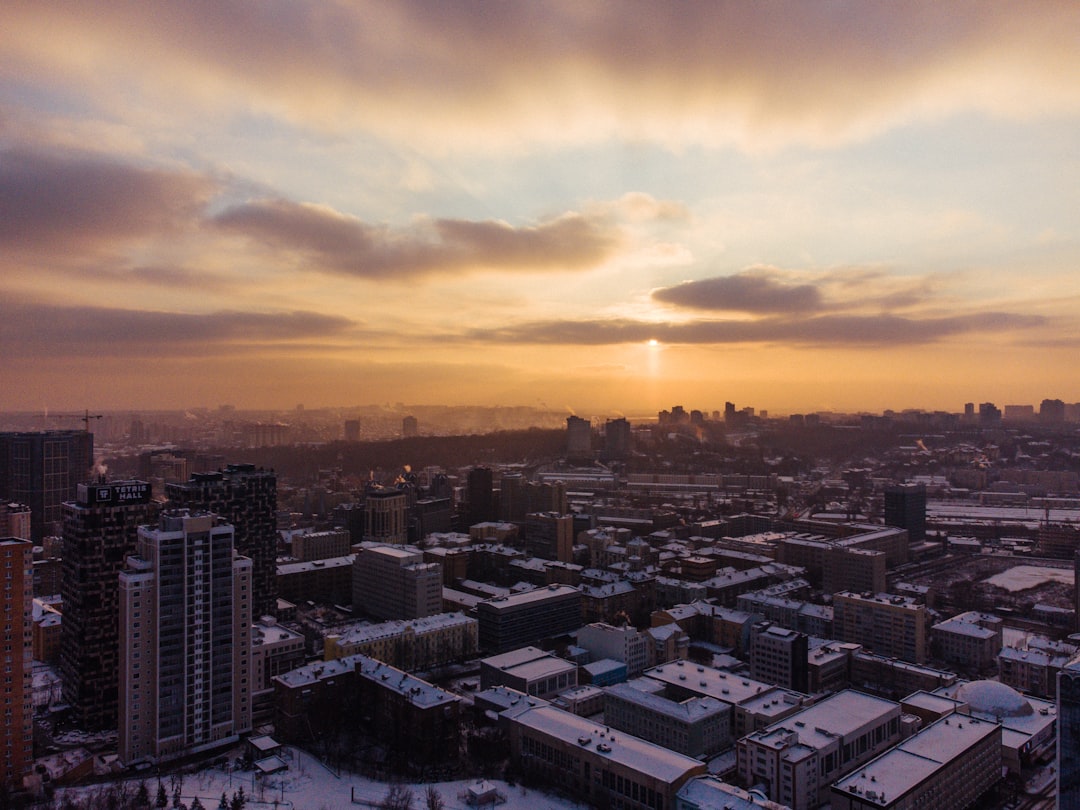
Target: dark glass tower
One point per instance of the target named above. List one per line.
(42, 471)
(100, 531)
(246, 497)
(905, 507)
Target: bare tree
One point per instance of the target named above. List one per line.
(433, 799)
(398, 797)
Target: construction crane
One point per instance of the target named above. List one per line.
(84, 418)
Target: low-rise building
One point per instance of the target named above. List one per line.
(413, 644)
(529, 670)
(950, 763)
(798, 759)
(699, 727)
(599, 766)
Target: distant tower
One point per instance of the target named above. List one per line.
(1052, 411)
(480, 495)
(42, 471)
(905, 507)
(969, 411)
(16, 600)
(617, 438)
(550, 536)
(409, 427)
(185, 664)
(578, 437)
(352, 430)
(512, 498)
(100, 530)
(246, 498)
(1068, 736)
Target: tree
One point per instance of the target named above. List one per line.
(196, 804)
(398, 797)
(433, 799)
(142, 795)
(224, 803)
(238, 800)
(162, 797)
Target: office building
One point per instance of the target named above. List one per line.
(100, 531)
(591, 762)
(905, 507)
(384, 516)
(1068, 736)
(883, 623)
(798, 759)
(617, 439)
(394, 582)
(16, 600)
(550, 536)
(509, 622)
(779, 656)
(246, 497)
(42, 470)
(512, 498)
(412, 644)
(479, 496)
(185, 664)
(625, 643)
(578, 437)
(529, 670)
(950, 763)
(971, 641)
(698, 727)
(308, 546)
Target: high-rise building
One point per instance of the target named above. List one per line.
(617, 438)
(185, 665)
(578, 437)
(550, 536)
(42, 471)
(883, 623)
(246, 497)
(1052, 411)
(905, 508)
(409, 427)
(480, 496)
(384, 516)
(779, 655)
(512, 498)
(100, 531)
(1068, 736)
(394, 582)
(16, 720)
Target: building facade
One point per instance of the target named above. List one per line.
(100, 530)
(16, 600)
(185, 664)
(883, 623)
(246, 497)
(394, 582)
(42, 470)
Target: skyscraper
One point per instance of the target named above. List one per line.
(42, 471)
(246, 497)
(185, 665)
(384, 516)
(905, 507)
(480, 496)
(100, 530)
(16, 720)
(578, 437)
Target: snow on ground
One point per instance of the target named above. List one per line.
(1023, 577)
(309, 785)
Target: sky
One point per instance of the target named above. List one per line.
(607, 207)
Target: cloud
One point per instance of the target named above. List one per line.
(62, 202)
(505, 75)
(335, 242)
(756, 291)
(39, 330)
(837, 331)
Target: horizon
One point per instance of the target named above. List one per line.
(800, 208)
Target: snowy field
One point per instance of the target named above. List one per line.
(1023, 577)
(308, 785)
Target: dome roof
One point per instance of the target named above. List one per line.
(997, 699)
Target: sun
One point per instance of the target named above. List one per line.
(654, 342)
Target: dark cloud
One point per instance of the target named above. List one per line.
(854, 331)
(334, 242)
(57, 202)
(37, 330)
(750, 291)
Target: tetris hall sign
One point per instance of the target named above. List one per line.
(118, 494)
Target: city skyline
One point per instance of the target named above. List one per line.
(611, 208)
